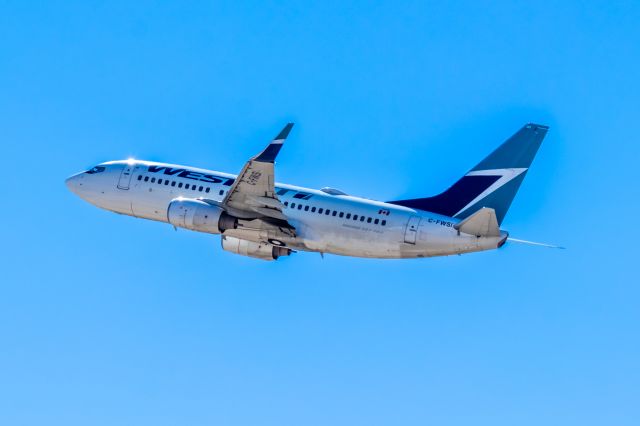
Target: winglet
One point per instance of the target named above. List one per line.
(271, 151)
(284, 132)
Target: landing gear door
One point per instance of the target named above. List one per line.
(411, 231)
(125, 176)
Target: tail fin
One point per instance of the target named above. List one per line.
(492, 183)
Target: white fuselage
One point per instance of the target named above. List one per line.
(325, 221)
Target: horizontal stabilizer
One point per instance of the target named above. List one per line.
(482, 223)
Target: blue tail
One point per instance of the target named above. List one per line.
(492, 183)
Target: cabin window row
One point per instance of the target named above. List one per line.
(173, 183)
(335, 213)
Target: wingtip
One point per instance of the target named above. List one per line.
(536, 126)
(284, 132)
(269, 154)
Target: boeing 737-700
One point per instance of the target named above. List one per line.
(258, 217)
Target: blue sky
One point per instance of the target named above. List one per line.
(106, 319)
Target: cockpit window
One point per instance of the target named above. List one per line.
(96, 169)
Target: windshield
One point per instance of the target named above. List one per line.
(96, 169)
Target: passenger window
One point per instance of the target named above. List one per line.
(384, 222)
(139, 177)
(348, 215)
(341, 214)
(201, 188)
(306, 208)
(153, 180)
(293, 205)
(159, 181)
(320, 210)
(375, 222)
(368, 220)
(179, 184)
(355, 217)
(313, 209)
(166, 182)
(221, 192)
(361, 218)
(327, 212)
(207, 190)
(335, 212)
(286, 203)
(146, 178)
(173, 183)
(299, 206)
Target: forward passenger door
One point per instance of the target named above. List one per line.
(125, 176)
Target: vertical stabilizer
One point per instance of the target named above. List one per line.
(492, 183)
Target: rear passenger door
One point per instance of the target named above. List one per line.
(411, 231)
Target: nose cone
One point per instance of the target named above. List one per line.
(75, 184)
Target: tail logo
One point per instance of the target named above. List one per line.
(506, 176)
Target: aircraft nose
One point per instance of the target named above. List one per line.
(74, 183)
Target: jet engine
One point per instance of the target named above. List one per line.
(251, 249)
(197, 215)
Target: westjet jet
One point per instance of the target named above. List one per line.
(258, 217)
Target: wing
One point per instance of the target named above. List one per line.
(252, 195)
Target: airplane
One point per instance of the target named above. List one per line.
(263, 219)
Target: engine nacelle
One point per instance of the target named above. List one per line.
(251, 249)
(199, 216)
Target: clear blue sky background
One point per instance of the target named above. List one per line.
(106, 319)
